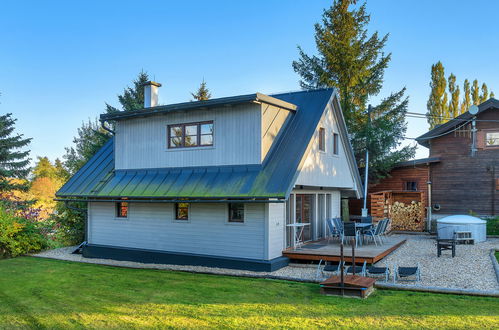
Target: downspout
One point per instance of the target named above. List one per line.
(103, 125)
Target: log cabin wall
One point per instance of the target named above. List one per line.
(460, 183)
(397, 180)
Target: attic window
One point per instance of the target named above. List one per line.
(492, 139)
(335, 144)
(122, 210)
(190, 135)
(322, 139)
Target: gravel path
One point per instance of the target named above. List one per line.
(470, 269)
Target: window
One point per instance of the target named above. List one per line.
(236, 212)
(335, 144)
(492, 139)
(182, 211)
(322, 139)
(190, 135)
(410, 185)
(122, 210)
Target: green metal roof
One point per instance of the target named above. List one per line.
(274, 178)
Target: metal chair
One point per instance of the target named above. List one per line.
(326, 270)
(374, 233)
(374, 271)
(333, 230)
(400, 273)
(349, 230)
(385, 229)
(360, 270)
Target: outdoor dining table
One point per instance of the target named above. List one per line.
(362, 226)
(298, 232)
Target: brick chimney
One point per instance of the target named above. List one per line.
(151, 94)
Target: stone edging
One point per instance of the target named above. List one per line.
(494, 262)
(435, 289)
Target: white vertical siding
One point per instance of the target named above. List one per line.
(142, 142)
(151, 226)
(276, 229)
(335, 204)
(324, 169)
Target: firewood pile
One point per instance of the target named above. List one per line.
(407, 216)
(405, 209)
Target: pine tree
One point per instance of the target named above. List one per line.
(354, 63)
(492, 95)
(485, 93)
(14, 161)
(437, 102)
(475, 93)
(454, 92)
(132, 97)
(202, 94)
(466, 104)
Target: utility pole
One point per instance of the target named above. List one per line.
(366, 176)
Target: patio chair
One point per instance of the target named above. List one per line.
(400, 273)
(375, 271)
(349, 230)
(375, 232)
(359, 270)
(326, 270)
(384, 231)
(333, 229)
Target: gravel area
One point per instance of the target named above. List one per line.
(470, 269)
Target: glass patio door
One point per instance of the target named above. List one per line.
(304, 204)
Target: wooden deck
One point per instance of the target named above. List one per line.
(331, 252)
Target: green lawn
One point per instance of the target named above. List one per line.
(42, 293)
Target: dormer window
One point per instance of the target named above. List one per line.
(190, 135)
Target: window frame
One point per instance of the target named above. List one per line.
(485, 138)
(175, 212)
(117, 207)
(231, 221)
(336, 138)
(322, 139)
(406, 181)
(198, 135)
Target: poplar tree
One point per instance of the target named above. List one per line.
(353, 61)
(203, 93)
(454, 92)
(466, 104)
(475, 93)
(437, 102)
(485, 93)
(14, 158)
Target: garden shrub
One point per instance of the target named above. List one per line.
(20, 232)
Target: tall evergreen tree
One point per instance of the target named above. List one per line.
(354, 62)
(466, 104)
(437, 102)
(492, 95)
(485, 93)
(14, 159)
(475, 92)
(203, 93)
(454, 95)
(132, 97)
(44, 169)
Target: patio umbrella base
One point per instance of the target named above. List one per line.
(353, 286)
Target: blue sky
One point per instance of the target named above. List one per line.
(60, 61)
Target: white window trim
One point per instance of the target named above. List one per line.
(230, 223)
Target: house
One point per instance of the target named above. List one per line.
(216, 182)
(464, 179)
(456, 178)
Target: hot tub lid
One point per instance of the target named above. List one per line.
(461, 220)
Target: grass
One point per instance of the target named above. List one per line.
(497, 256)
(43, 293)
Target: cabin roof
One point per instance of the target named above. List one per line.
(274, 178)
(443, 129)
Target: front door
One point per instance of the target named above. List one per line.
(304, 214)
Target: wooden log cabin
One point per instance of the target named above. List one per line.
(453, 179)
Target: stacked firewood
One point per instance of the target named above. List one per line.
(408, 217)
